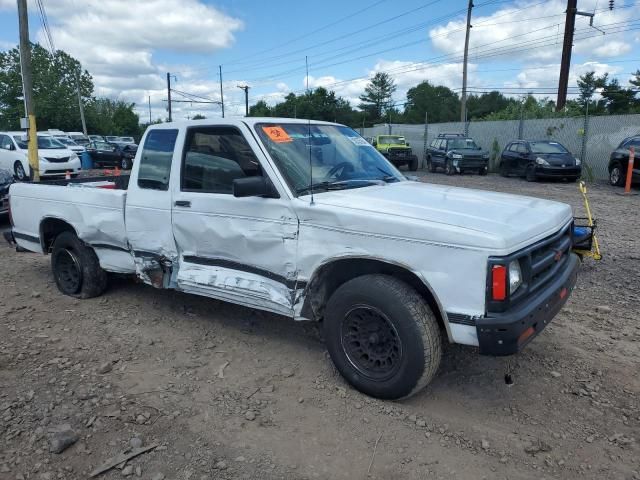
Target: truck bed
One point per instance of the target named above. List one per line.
(93, 206)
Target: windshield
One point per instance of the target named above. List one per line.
(46, 143)
(384, 139)
(126, 139)
(66, 141)
(338, 156)
(547, 147)
(462, 144)
(111, 139)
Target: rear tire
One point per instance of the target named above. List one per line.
(76, 269)
(616, 177)
(530, 174)
(382, 336)
(126, 164)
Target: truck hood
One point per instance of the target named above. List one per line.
(557, 159)
(451, 215)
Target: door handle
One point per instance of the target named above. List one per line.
(183, 203)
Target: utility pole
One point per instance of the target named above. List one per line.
(565, 64)
(221, 94)
(84, 124)
(463, 100)
(169, 94)
(149, 109)
(246, 98)
(27, 86)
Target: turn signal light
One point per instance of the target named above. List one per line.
(499, 282)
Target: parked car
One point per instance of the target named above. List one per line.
(229, 209)
(80, 138)
(96, 138)
(55, 158)
(67, 142)
(535, 159)
(6, 179)
(127, 140)
(111, 138)
(396, 149)
(105, 154)
(456, 152)
(619, 162)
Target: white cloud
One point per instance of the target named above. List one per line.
(529, 30)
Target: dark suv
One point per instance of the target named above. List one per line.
(534, 159)
(455, 152)
(619, 162)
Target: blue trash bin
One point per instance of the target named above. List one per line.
(86, 161)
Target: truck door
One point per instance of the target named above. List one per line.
(148, 208)
(241, 250)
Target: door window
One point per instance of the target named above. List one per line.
(521, 148)
(155, 161)
(214, 157)
(5, 142)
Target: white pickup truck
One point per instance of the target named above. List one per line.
(307, 220)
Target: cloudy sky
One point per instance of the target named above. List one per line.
(129, 46)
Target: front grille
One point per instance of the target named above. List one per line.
(398, 152)
(548, 257)
(55, 172)
(57, 160)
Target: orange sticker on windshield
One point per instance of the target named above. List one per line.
(277, 134)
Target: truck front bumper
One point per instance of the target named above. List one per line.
(507, 333)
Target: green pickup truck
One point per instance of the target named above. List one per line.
(395, 149)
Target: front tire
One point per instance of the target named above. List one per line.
(504, 171)
(126, 163)
(616, 178)
(431, 166)
(382, 336)
(483, 171)
(448, 168)
(530, 174)
(413, 164)
(19, 172)
(76, 269)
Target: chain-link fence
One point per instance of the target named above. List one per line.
(590, 138)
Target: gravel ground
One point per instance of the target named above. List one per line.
(228, 392)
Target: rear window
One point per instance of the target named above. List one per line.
(155, 161)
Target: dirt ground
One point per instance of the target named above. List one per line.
(228, 392)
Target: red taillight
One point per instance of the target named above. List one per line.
(499, 282)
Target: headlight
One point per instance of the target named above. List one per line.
(73, 157)
(541, 161)
(515, 276)
(485, 155)
(578, 162)
(456, 155)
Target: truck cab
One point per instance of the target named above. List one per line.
(308, 220)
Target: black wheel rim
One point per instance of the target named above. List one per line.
(68, 271)
(20, 173)
(371, 343)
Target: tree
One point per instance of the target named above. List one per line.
(112, 117)
(441, 103)
(618, 99)
(198, 116)
(377, 96)
(54, 88)
(260, 109)
(479, 106)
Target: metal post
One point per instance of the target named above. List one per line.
(521, 122)
(27, 86)
(169, 94)
(149, 109)
(84, 124)
(221, 94)
(463, 100)
(246, 98)
(585, 138)
(426, 138)
(567, 45)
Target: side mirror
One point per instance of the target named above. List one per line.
(254, 187)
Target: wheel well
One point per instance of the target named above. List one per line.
(329, 277)
(50, 228)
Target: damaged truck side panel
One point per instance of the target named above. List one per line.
(386, 262)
